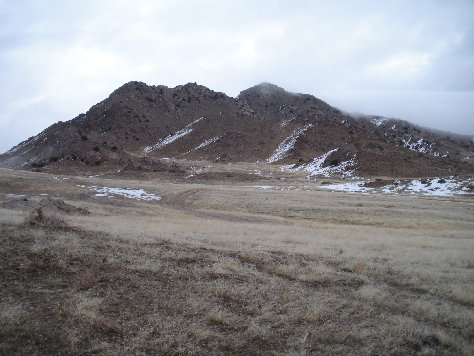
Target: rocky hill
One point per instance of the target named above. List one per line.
(137, 125)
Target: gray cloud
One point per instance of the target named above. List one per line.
(407, 59)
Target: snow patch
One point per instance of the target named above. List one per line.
(346, 123)
(171, 138)
(21, 145)
(195, 171)
(206, 143)
(315, 167)
(378, 122)
(24, 163)
(421, 146)
(263, 186)
(434, 187)
(138, 194)
(272, 187)
(350, 187)
(287, 144)
(286, 122)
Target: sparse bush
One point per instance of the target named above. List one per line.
(38, 164)
(37, 218)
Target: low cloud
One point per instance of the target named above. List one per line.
(59, 58)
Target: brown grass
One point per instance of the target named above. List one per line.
(143, 278)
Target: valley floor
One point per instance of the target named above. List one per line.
(161, 266)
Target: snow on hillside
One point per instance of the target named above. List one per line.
(315, 167)
(378, 122)
(171, 138)
(206, 143)
(286, 122)
(287, 144)
(23, 144)
(421, 146)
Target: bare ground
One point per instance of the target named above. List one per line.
(217, 268)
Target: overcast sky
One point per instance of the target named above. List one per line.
(407, 59)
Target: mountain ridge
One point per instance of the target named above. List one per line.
(263, 123)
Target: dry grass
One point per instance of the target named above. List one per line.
(297, 274)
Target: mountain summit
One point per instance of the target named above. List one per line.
(263, 123)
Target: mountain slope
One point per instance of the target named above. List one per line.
(264, 123)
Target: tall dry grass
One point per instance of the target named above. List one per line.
(234, 271)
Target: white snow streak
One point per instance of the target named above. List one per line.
(286, 122)
(206, 143)
(16, 148)
(287, 144)
(315, 167)
(171, 138)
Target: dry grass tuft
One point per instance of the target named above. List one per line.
(86, 307)
(108, 326)
(87, 280)
(12, 317)
(51, 222)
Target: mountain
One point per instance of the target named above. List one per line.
(138, 124)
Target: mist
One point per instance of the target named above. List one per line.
(446, 111)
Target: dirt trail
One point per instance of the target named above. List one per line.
(177, 201)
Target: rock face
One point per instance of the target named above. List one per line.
(139, 124)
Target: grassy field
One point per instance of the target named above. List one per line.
(218, 267)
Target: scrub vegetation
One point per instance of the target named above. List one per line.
(224, 268)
